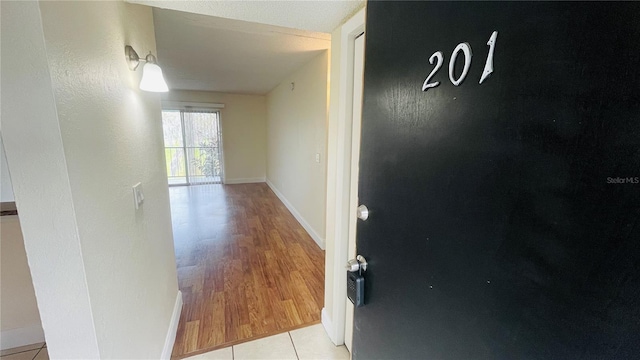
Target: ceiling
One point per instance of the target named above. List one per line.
(319, 16)
(248, 47)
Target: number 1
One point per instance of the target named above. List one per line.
(488, 66)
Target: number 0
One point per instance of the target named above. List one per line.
(466, 49)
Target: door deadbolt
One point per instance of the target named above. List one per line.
(363, 212)
(358, 264)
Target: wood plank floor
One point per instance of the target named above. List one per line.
(246, 268)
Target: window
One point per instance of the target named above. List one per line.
(193, 147)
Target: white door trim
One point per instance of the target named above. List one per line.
(339, 181)
(353, 174)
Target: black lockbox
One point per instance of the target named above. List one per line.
(355, 288)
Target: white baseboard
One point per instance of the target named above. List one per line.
(314, 235)
(245, 180)
(22, 336)
(328, 326)
(173, 328)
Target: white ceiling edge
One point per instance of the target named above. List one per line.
(222, 23)
(209, 53)
(311, 15)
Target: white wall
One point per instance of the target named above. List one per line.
(18, 309)
(296, 132)
(34, 151)
(78, 134)
(243, 132)
(20, 323)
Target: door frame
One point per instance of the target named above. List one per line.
(339, 179)
(354, 174)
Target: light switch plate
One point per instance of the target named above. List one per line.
(317, 157)
(138, 196)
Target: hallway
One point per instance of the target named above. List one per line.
(246, 268)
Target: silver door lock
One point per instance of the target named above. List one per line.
(357, 265)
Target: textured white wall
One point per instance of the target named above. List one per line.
(104, 273)
(112, 135)
(244, 123)
(35, 154)
(296, 132)
(20, 323)
(19, 312)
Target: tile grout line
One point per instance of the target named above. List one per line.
(294, 345)
(20, 352)
(36, 355)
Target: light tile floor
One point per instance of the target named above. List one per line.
(28, 352)
(309, 343)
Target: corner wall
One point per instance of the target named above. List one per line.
(296, 134)
(78, 134)
(33, 147)
(244, 138)
(21, 323)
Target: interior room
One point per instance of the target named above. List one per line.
(319, 180)
(241, 139)
(249, 229)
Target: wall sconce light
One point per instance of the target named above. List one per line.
(152, 79)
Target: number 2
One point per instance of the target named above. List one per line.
(436, 55)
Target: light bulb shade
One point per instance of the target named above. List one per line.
(152, 79)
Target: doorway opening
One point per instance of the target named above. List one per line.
(193, 147)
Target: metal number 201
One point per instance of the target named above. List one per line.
(466, 50)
